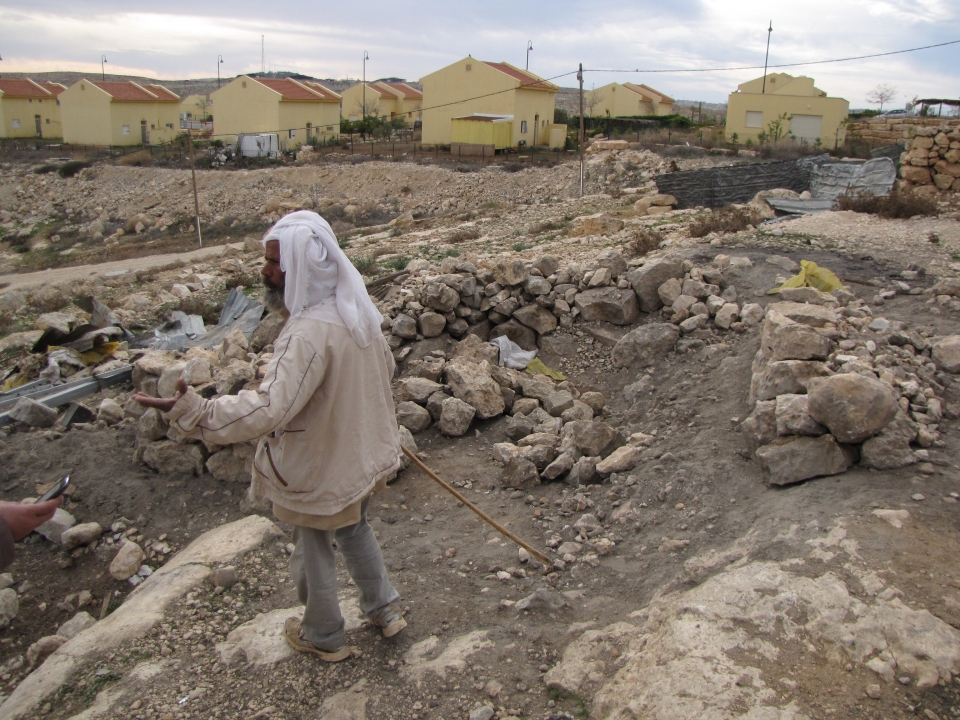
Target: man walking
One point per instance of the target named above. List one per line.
(327, 430)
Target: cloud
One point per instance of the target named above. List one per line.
(185, 38)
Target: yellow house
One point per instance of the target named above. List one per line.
(30, 109)
(475, 87)
(627, 100)
(299, 110)
(383, 99)
(197, 108)
(119, 113)
(811, 115)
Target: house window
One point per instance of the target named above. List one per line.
(83, 87)
(244, 83)
(170, 126)
(153, 127)
(523, 126)
(48, 121)
(293, 134)
(126, 129)
(329, 128)
(16, 124)
(469, 67)
(754, 119)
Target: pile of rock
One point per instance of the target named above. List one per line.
(834, 386)
(931, 161)
(236, 364)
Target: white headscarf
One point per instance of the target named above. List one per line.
(320, 280)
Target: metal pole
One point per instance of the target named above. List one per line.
(219, 63)
(193, 173)
(365, 58)
(766, 57)
(580, 78)
(103, 77)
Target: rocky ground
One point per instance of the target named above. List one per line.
(748, 500)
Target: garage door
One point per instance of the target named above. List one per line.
(807, 127)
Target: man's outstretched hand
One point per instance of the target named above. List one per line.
(162, 404)
(24, 519)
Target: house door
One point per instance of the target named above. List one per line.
(39, 126)
(143, 131)
(309, 129)
(536, 126)
(807, 128)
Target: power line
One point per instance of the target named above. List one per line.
(784, 65)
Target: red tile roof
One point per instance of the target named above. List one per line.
(289, 89)
(527, 79)
(163, 94)
(54, 88)
(23, 89)
(124, 91)
(408, 92)
(325, 92)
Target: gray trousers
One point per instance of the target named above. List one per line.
(313, 568)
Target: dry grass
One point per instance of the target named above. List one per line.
(464, 234)
(725, 219)
(644, 240)
(900, 204)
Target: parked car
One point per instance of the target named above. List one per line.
(897, 114)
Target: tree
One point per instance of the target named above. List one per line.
(592, 99)
(881, 94)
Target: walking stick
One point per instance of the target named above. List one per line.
(500, 528)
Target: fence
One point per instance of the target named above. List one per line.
(417, 150)
(11, 145)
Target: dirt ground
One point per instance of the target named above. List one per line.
(699, 495)
(698, 504)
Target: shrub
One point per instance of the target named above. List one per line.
(365, 264)
(900, 204)
(725, 219)
(44, 169)
(512, 167)
(69, 169)
(644, 240)
(397, 263)
(463, 234)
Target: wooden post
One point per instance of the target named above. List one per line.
(193, 174)
(582, 135)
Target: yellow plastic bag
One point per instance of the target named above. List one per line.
(536, 366)
(13, 382)
(811, 275)
(99, 353)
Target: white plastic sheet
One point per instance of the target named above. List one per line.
(511, 354)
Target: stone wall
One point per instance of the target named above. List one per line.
(889, 131)
(931, 162)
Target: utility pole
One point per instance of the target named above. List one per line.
(103, 77)
(263, 64)
(529, 48)
(366, 57)
(766, 57)
(193, 173)
(219, 63)
(582, 135)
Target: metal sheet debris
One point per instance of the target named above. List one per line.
(830, 180)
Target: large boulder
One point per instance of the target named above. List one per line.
(413, 417)
(946, 354)
(172, 458)
(792, 459)
(82, 534)
(472, 383)
(519, 333)
(440, 296)
(596, 224)
(537, 317)
(623, 459)
(455, 417)
(404, 327)
(812, 315)
(127, 561)
(32, 413)
(645, 345)
(793, 417)
(853, 406)
(646, 281)
(591, 438)
(267, 331)
(760, 427)
(416, 389)
(609, 304)
(474, 349)
(431, 324)
(785, 376)
(795, 341)
(509, 272)
(520, 473)
(891, 448)
(233, 463)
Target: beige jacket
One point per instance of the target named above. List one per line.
(324, 415)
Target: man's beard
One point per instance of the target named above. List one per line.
(273, 296)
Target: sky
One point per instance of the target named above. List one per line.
(410, 40)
